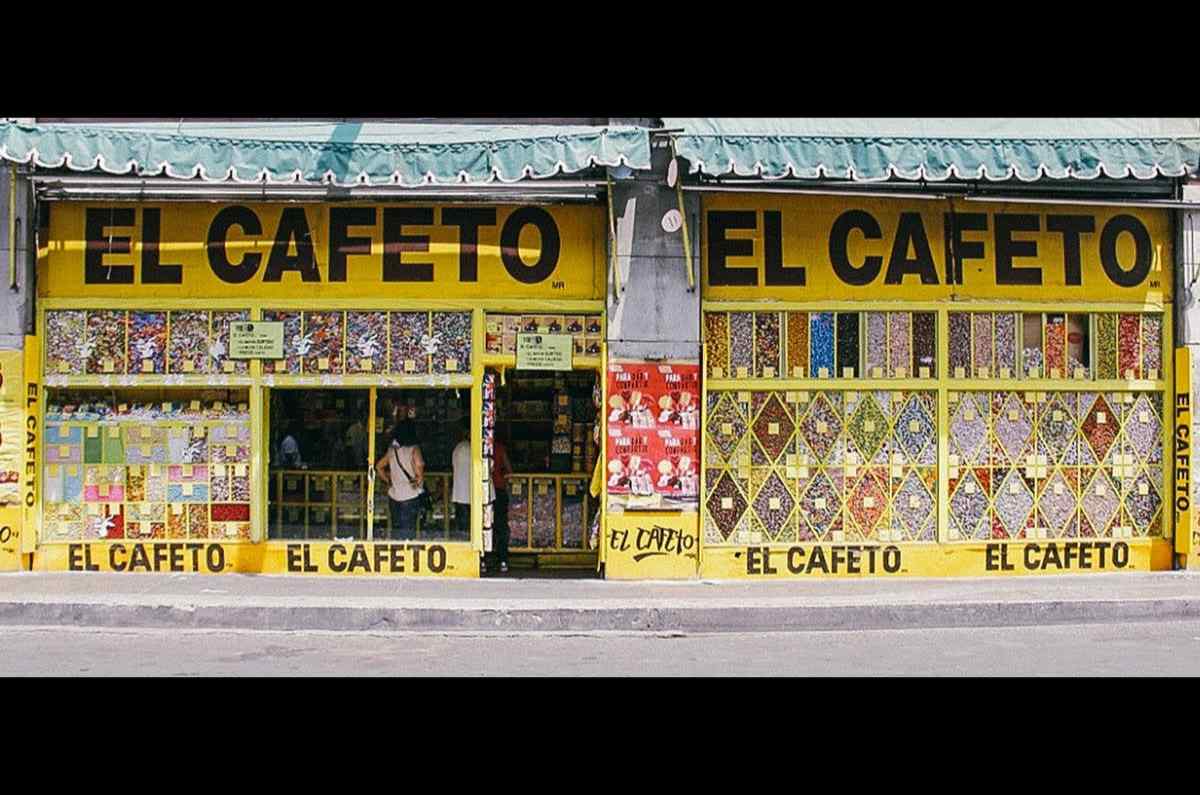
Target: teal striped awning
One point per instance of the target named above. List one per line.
(348, 154)
(869, 150)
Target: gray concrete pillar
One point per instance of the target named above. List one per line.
(16, 304)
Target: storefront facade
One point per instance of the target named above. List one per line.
(159, 449)
(899, 387)
(793, 380)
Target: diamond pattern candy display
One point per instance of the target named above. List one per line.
(1142, 503)
(867, 502)
(868, 429)
(822, 426)
(773, 428)
(1057, 504)
(914, 508)
(726, 505)
(1099, 504)
(773, 505)
(1056, 429)
(1012, 427)
(1143, 429)
(1013, 504)
(969, 506)
(726, 427)
(969, 428)
(915, 432)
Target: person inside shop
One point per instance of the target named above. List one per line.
(356, 444)
(501, 469)
(461, 488)
(402, 468)
(289, 449)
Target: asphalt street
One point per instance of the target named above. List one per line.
(1170, 648)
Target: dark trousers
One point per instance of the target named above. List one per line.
(462, 519)
(404, 519)
(500, 525)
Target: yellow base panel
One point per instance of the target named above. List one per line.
(651, 546)
(295, 557)
(1013, 558)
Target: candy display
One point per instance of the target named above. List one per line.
(142, 472)
(147, 345)
(366, 342)
(876, 351)
(292, 343)
(797, 345)
(188, 342)
(716, 344)
(741, 344)
(1128, 343)
(824, 465)
(767, 345)
(409, 330)
(104, 342)
(544, 517)
(321, 344)
(502, 331)
(981, 345)
(847, 344)
(219, 343)
(1106, 346)
(1058, 464)
(66, 342)
(900, 344)
(452, 338)
(518, 512)
(821, 341)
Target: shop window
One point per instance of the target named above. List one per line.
(1055, 465)
(820, 466)
(1056, 345)
(141, 342)
(134, 465)
(586, 331)
(403, 343)
(825, 345)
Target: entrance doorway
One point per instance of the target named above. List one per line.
(323, 443)
(545, 421)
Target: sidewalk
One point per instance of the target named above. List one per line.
(265, 602)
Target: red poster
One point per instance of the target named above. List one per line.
(653, 446)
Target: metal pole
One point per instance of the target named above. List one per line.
(612, 240)
(12, 227)
(687, 242)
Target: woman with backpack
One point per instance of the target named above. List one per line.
(402, 468)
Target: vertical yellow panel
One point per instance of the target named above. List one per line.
(259, 461)
(1187, 542)
(12, 458)
(31, 488)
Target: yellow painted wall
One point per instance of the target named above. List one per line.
(651, 545)
(12, 458)
(1003, 558)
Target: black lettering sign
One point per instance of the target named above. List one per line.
(100, 242)
(218, 231)
(839, 236)
(153, 271)
(395, 243)
(1007, 249)
(721, 248)
(468, 220)
(911, 232)
(778, 273)
(341, 243)
(293, 226)
(1071, 227)
(214, 558)
(1116, 226)
(510, 249)
(958, 249)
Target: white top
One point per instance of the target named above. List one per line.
(400, 489)
(289, 452)
(461, 491)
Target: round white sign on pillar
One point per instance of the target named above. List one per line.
(671, 221)
(672, 173)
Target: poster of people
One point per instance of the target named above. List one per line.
(653, 441)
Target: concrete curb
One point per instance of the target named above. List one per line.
(663, 618)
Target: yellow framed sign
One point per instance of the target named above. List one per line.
(820, 248)
(371, 251)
